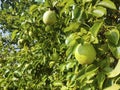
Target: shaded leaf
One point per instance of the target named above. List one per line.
(113, 36)
(100, 80)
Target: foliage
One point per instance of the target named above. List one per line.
(35, 56)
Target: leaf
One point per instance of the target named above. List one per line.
(14, 34)
(90, 67)
(64, 88)
(87, 1)
(116, 71)
(71, 39)
(75, 12)
(115, 50)
(69, 51)
(62, 67)
(48, 3)
(96, 27)
(100, 80)
(32, 8)
(88, 75)
(99, 11)
(108, 4)
(113, 36)
(39, 1)
(70, 64)
(57, 83)
(72, 27)
(73, 78)
(113, 87)
(65, 4)
(82, 15)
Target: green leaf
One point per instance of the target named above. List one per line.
(96, 27)
(113, 36)
(70, 64)
(100, 80)
(88, 75)
(116, 71)
(75, 12)
(48, 3)
(72, 27)
(57, 83)
(71, 39)
(66, 4)
(99, 11)
(113, 87)
(32, 8)
(70, 51)
(62, 67)
(115, 50)
(64, 88)
(39, 1)
(82, 15)
(108, 4)
(90, 68)
(87, 1)
(14, 34)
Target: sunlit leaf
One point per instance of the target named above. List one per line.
(88, 75)
(14, 33)
(113, 87)
(72, 27)
(57, 83)
(116, 71)
(87, 1)
(75, 12)
(96, 27)
(39, 1)
(70, 64)
(69, 51)
(32, 8)
(66, 5)
(108, 4)
(99, 11)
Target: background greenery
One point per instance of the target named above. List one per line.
(35, 56)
